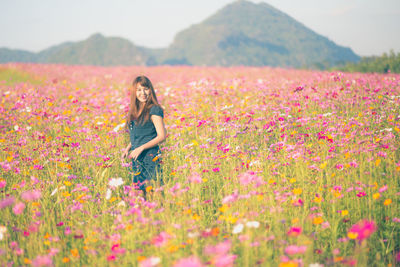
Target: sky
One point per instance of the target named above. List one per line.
(368, 27)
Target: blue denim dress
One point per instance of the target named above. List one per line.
(147, 166)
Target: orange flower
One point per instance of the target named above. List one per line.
(318, 220)
(387, 202)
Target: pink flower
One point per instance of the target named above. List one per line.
(18, 208)
(31, 195)
(195, 178)
(161, 239)
(383, 189)
(111, 257)
(363, 229)
(42, 261)
(231, 198)
(250, 177)
(398, 256)
(224, 260)
(3, 183)
(150, 262)
(293, 249)
(192, 261)
(219, 249)
(7, 202)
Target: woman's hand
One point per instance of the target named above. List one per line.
(125, 154)
(136, 152)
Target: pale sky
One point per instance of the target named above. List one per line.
(369, 27)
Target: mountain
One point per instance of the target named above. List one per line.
(241, 33)
(11, 55)
(244, 33)
(96, 50)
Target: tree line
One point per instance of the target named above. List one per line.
(386, 63)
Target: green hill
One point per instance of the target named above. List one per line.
(244, 33)
(241, 33)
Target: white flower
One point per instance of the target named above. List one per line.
(315, 265)
(54, 192)
(253, 224)
(121, 204)
(16, 127)
(238, 228)
(3, 230)
(193, 235)
(118, 127)
(155, 260)
(108, 193)
(115, 182)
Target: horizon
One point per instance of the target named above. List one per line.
(366, 27)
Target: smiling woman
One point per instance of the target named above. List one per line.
(146, 130)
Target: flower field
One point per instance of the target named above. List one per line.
(261, 167)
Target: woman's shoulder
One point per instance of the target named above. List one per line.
(157, 110)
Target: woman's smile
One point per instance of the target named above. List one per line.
(142, 93)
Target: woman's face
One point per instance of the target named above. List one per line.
(142, 93)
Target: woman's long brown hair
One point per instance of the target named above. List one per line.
(137, 111)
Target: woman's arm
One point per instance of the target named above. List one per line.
(161, 136)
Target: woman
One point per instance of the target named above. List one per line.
(146, 130)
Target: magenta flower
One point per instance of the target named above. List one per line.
(294, 231)
(363, 229)
(191, 261)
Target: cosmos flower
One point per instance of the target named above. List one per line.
(192, 261)
(116, 182)
(362, 230)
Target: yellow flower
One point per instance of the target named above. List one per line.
(149, 188)
(297, 191)
(352, 235)
(318, 220)
(387, 202)
(288, 264)
(377, 162)
(172, 248)
(292, 180)
(65, 260)
(376, 195)
(67, 183)
(27, 261)
(141, 258)
(318, 199)
(223, 208)
(344, 212)
(75, 253)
